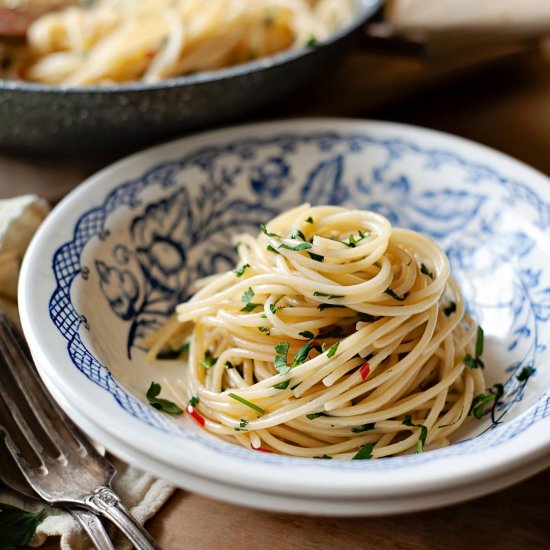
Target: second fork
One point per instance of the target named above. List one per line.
(55, 458)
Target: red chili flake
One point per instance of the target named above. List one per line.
(364, 371)
(194, 414)
(261, 449)
(151, 53)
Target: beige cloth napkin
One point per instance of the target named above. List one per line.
(141, 493)
(19, 219)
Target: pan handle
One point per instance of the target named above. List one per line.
(380, 37)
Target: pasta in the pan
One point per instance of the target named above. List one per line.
(113, 41)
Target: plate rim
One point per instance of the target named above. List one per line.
(340, 507)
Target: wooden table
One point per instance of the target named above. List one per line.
(505, 105)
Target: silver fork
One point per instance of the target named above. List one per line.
(90, 523)
(58, 462)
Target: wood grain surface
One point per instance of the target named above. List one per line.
(504, 104)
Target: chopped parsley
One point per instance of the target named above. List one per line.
(17, 527)
(247, 403)
(450, 309)
(470, 361)
(168, 354)
(395, 296)
(332, 350)
(240, 270)
(282, 385)
(316, 257)
(194, 401)
(266, 330)
(426, 271)
(273, 308)
(364, 428)
(525, 374)
(269, 248)
(266, 232)
(185, 347)
(476, 362)
(311, 42)
(479, 342)
(247, 296)
(242, 425)
(329, 296)
(281, 351)
(161, 404)
(407, 421)
(247, 300)
(365, 452)
(303, 353)
(297, 233)
(209, 360)
(313, 416)
(309, 220)
(307, 334)
(478, 404)
(296, 247)
(352, 240)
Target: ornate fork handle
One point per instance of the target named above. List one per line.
(106, 502)
(93, 528)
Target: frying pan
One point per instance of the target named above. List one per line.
(47, 118)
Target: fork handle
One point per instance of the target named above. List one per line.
(93, 527)
(106, 502)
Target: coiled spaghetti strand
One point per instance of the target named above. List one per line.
(343, 342)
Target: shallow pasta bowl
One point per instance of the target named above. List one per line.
(118, 253)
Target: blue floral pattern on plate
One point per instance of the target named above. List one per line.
(185, 212)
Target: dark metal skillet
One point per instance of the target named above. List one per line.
(62, 119)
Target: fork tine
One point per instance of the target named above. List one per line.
(26, 394)
(26, 469)
(33, 391)
(20, 422)
(81, 481)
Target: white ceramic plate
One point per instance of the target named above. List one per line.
(117, 254)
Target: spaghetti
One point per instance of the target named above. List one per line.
(336, 336)
(125, 40)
